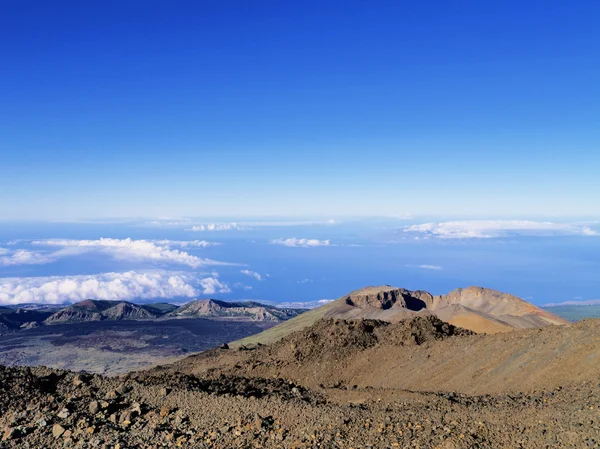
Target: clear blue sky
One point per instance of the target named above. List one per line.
(131, 108)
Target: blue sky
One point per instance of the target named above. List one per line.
(214, 108)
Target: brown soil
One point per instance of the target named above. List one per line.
(338, 384)
(421, 353)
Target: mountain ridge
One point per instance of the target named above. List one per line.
(474, 308)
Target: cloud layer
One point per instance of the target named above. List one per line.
(112, 286)
(144, 250)
(304, 243)
(496, 228)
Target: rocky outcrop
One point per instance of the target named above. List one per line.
(71, 315)
(127, 311)
(386, 298)
(212, 308)
(95, 310)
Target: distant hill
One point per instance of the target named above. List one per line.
(575, 312)
(5, 310)
(212, 308)
(159, 308)
(474, 308)
(96, 310)
(11, 319)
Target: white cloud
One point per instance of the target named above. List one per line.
(113, 286)
(304, 305)
(304, 243)
(210, 286)
(129, 249)
(253, 274)
(186, 243)
(305, 281)
(430, 267)
(24, 257)
(216, 227)
(4, 251)
(244, 226)
(242, 286)
(499, 228)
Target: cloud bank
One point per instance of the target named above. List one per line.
(144, 250)
(496, 228)
(112, 286)
(24, 257)
(303, 243)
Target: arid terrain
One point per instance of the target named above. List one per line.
(117, 347)
(417, 382)
(115, 337)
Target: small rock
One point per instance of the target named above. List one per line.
(136, 408)
(111, 395)
(123, 389)
(10, 433)
(80, 379)
(180, 419)
(42, 423)
(57, 430)
(64, 413)
(164, 391)
(94, 407)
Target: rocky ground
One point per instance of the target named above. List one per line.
(43, 408)
(47, 408)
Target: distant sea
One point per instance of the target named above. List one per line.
(291, 262)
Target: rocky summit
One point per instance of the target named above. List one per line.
(478, 309)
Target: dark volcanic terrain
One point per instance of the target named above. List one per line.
(115, 337)
(116, 347)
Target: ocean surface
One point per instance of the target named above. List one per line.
(294, 261)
